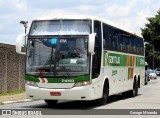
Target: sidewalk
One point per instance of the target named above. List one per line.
(5, 99)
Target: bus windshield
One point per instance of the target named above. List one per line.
(60, 27)
(52, 57)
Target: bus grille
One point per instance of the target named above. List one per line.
(55, 85)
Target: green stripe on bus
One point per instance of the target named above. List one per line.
(58, 80)
(31, 78)
(130, 61)
(140, 61)
(114, 59)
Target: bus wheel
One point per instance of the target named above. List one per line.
(51, 102)
(134, 92)
(103, 100)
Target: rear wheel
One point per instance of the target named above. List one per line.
(134, 92)
(103, 100)
(51, 102)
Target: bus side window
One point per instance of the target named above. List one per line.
(104, 44)
(124, 44)
(105, 37)
(120, 43)
(116, 46)
(127, 44)
(142, 47)
(114, 37)
(109, 42)
(137, 46)
(110, 35)
(113, 43)
(130, 44)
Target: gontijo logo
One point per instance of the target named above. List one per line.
(114, 60)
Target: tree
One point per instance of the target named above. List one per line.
(151, 35)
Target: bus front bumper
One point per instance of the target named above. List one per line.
(75, 93)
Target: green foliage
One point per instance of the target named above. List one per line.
(12, 93)
(151, 35)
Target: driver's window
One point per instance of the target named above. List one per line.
(97, 49)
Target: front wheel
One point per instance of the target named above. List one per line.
(51, 102)
(103, 100)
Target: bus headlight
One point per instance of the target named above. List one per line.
(84, 83)
(31, 83)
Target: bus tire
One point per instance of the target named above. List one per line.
(139, 83)
(103, 100)
(134, 91)
(51, 102)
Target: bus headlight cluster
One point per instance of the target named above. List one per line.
(31, 83)
(84, 83)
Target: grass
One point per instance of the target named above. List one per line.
(12, 93)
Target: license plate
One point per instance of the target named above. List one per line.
(55, 93)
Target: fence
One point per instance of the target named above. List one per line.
(12, 69)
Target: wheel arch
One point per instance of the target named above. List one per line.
(106, 80)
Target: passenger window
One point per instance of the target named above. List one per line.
(120, 43)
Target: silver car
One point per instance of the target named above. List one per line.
(152, 74)
(157, 71)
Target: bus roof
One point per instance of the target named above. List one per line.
(79, 17)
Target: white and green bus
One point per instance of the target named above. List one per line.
(81, 58)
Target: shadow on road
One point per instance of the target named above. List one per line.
(77, 104)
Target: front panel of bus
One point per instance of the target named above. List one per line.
(57, 52)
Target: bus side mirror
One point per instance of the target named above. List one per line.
(91, 43)
(21, 44)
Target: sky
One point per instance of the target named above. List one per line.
(129, 14)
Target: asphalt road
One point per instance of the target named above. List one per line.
(148, 98)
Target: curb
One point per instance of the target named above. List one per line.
(17, 101)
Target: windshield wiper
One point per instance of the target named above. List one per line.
(50, 60)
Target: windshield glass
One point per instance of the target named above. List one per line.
(158, 69)
(60, 27)
(152, 71)
(57, 56)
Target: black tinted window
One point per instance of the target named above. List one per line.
(118, 40)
